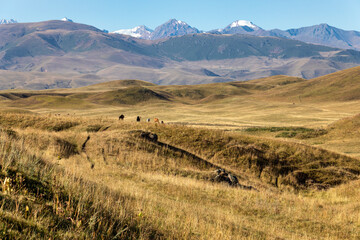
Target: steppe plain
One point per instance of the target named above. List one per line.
(70, 169)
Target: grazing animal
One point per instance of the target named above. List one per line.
(148, 120)
(156, 120)
(138, 119)
(121, 117)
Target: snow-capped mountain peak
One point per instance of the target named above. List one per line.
(5, 21)
(65, 19)
(138, 32)
(238, 27)
(175, 22)
(173, 27)
(243, 23)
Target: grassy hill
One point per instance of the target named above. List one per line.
(111, 85)
(84, 177)
(129, 95)
(266, 102)
(341, 136)
(346, 126)
(41, 200)
(338, 86)
(70, 169)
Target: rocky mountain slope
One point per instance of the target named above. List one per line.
(171, 28)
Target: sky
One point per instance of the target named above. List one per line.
(203, 14)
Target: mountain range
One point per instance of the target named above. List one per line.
(322, 34)
(64, 54)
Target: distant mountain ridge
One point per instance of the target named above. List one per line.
(322, 34)
(78, 55)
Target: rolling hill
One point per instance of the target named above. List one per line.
(117, 154)
(338, 86)
(86, 177)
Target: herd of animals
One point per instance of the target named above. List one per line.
(138, 119)
(122, 117)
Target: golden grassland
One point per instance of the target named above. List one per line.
(122, 186)
(71, 170)
(278, 101)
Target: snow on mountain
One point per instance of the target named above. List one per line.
(239, 27)
(5, 21)
(171, 28)
(322, 34)
(242, 23)
(65, 19)
(181, 22)
(139, 32)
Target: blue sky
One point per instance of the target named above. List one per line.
(205, 15)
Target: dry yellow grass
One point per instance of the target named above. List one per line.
(152, 191)
(168, 193)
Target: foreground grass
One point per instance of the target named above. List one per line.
(127, 187)
(42, 201)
